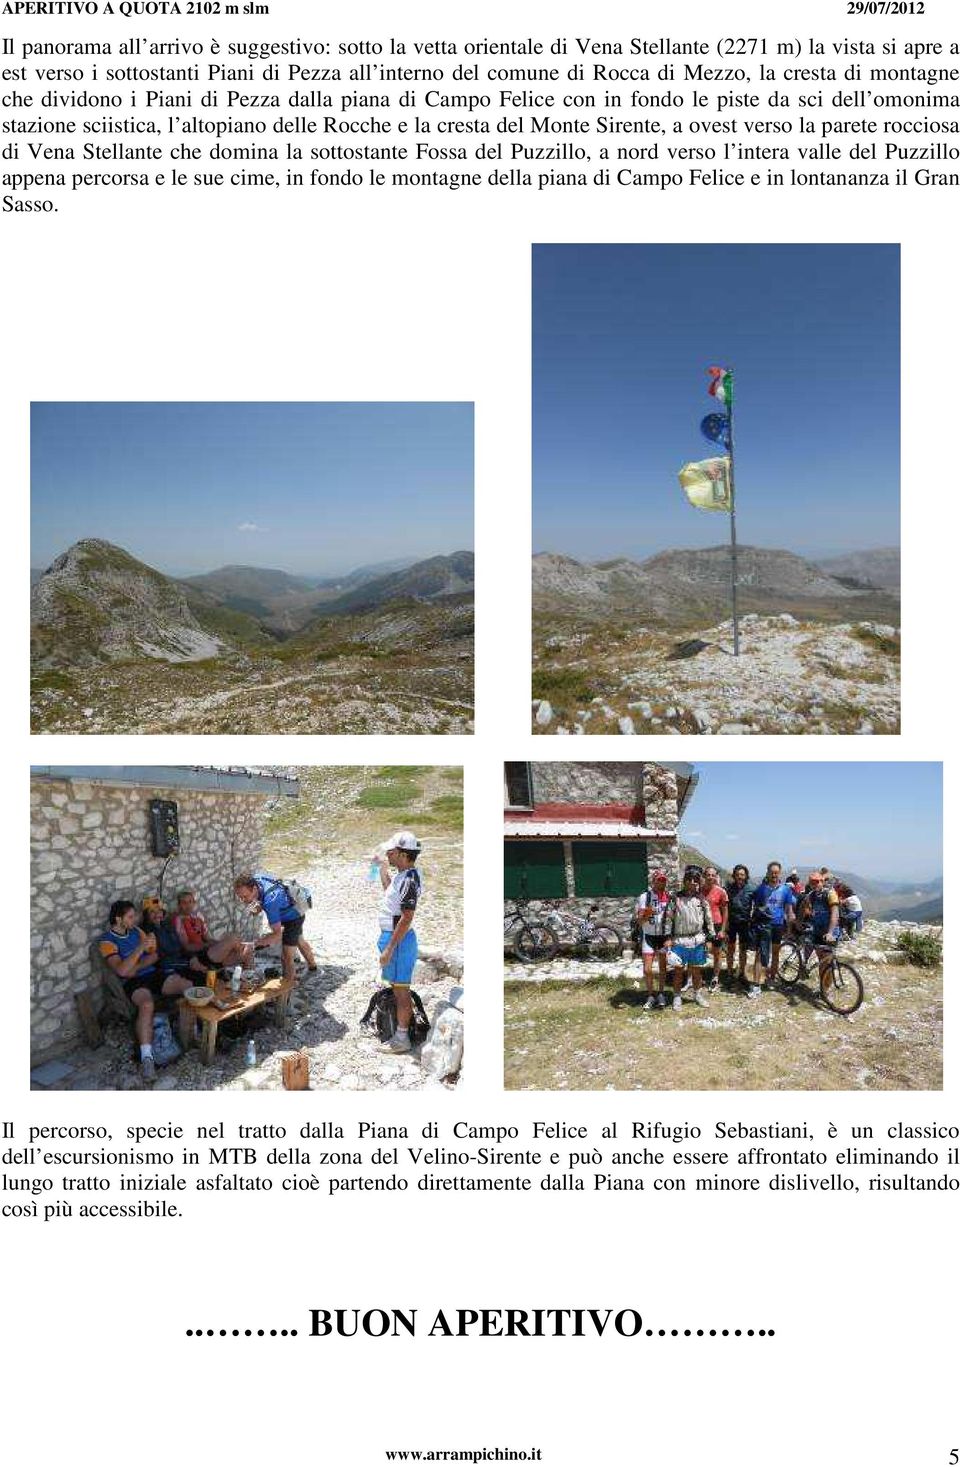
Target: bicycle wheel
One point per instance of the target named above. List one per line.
(535, 943)
(844, 991)
(792, 966)
(603, 943)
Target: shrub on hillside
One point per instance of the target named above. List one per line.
(921, 949)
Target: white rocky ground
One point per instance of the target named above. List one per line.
(563, 1032)
(322, 699)
(790, 677)
(326, 1009)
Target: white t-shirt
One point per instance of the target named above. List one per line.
(401, 895)
(852, 904)
(653, 925)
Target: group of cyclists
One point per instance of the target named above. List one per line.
(683, 936)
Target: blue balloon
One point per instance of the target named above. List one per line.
(716, 428)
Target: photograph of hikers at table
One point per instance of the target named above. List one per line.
(246, 928)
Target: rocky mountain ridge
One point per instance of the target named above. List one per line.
(676, 583)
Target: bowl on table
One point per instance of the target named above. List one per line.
(199, 997)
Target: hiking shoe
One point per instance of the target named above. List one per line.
(714, 985)
(687, 984)
(677, 1002)
(314, 969)
(651, 1002)
(399, 1044)
(661, 1000)
(701, 998)
(753, 991)
(148, 1070)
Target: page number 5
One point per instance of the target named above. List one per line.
(954, 1456)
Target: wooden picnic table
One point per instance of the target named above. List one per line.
(276, 991)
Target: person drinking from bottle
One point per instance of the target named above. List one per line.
(401, 887)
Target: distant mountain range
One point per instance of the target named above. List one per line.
(98, 600)
(874, 569)
(97, 606)
(284, 603)
(696, 583)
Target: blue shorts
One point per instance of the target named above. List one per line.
(400, 967)
(691, 957)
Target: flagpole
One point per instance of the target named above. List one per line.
(733, 528)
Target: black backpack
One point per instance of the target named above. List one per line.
(381, 1016)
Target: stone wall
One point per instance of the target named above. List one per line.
(90, 846)
(613, 782)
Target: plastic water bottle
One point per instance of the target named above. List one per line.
(250, 1059)
(374, 873)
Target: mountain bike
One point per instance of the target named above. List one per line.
(533, 942)
(841, 986)
(587, 938)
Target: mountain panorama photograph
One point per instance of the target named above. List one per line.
(251, 568)
(716, 489)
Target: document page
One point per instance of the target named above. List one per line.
(390, 397)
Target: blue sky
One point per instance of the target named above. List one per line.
(877, 819)
(301, 487)
(622, 338)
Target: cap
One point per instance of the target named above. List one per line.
(404, 840)
(150, 902)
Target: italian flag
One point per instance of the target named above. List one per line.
(721, 385)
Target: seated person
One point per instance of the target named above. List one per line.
(132, 954)
(155, 922)
(202, 951)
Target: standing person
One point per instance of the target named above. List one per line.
(397, 943)
(774, 905)
(132, 954)
(739, 907)
(718, 902)
(819, 918)
(687, 927)
(269, 895)
(648, 916)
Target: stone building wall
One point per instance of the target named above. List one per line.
(90, 846)
(615, 782)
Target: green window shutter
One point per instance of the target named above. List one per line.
(609, 867)
(533, 870)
